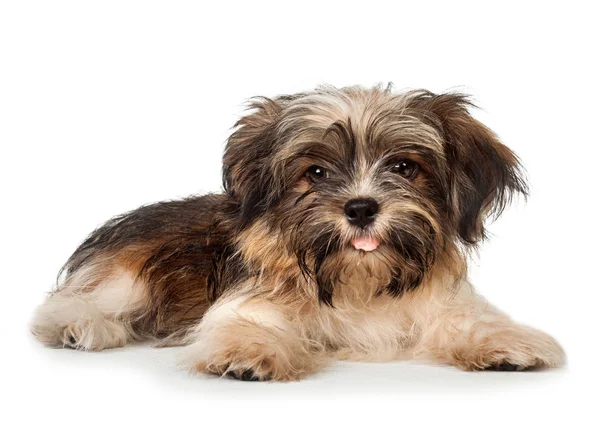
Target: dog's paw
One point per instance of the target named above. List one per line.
(94, 335)
(243, 375)
(76, 324)
(506, 366)
(256, 362)
(249, 352)
(511, 349)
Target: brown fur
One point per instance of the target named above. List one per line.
(262, 281)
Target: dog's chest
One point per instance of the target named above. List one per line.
(364, 321)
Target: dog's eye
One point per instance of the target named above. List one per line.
(406, 168)
(316, 174)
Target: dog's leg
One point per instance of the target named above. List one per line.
(248, 337)
(469, 333)
(91, 311)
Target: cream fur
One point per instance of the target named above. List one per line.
(278, 338)
(90, 311)
(446, 322)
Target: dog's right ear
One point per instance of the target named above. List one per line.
(247, 174)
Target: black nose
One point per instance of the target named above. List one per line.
(361, 211)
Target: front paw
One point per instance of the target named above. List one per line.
(248, 351)
(244, 375)
(513, 348)
(506, 366)
(244, 362)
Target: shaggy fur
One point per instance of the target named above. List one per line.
(266, 280)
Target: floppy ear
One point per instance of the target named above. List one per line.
(484, 173)
(247, 175)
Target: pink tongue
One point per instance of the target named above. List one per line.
(365, 243)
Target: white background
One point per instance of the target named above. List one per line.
(105, 106)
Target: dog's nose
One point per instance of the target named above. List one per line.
(361, 211)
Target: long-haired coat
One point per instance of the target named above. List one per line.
(342, 232)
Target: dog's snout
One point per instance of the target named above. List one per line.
(361, 211)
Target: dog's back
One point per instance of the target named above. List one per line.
(151, 272)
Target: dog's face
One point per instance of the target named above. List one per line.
(395, 182)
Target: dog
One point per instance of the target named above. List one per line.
(343, 232)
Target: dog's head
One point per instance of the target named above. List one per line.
(395, 181)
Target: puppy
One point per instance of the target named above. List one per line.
(342, 232)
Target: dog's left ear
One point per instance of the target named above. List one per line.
(484, 173)
(247, 175)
